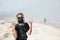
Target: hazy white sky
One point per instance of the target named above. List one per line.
(49, 9)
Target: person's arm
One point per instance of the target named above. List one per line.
(30, 28)
(14, 31)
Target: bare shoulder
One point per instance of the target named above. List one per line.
(13, 26)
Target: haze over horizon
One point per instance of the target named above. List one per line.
(41, 9)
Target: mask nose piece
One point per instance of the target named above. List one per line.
(20, 20)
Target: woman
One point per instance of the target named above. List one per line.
(21, 29)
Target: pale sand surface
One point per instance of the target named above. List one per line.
(40, 32)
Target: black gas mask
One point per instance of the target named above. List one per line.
(20, 19)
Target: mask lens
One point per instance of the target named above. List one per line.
(20, 17)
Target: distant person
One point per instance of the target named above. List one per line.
(21, 29)
(45, 20)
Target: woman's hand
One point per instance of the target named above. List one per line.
(30, 28)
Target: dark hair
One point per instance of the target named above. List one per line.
(19, 14)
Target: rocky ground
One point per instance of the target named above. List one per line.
(40, 32)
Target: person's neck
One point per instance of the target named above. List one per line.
(22, 24)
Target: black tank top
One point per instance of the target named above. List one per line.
(21, 30)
